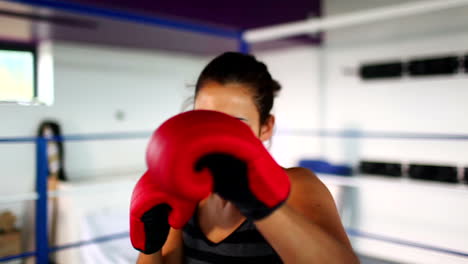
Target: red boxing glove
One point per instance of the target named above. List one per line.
(188, 157)
(198, 152)
(152, 212)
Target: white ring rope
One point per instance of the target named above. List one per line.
(314, 25)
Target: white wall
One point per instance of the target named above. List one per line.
(432, 216)
(92, 84)
(297, 106)
(428, 105)
(327, 94)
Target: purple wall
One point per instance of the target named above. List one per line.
(87, 27)
(240, 14)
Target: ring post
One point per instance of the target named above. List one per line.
(42, 241)
(244, 46)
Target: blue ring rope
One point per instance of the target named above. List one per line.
(317, 133)
(377, 135)
(105, 136)
(18, 140)
(82, 137)
(127, 16)
(97, 240)
(71, 245)
(19, 256)
(351, 232)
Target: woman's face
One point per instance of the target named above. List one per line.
(236, 100)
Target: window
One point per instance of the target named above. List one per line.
(18, 73)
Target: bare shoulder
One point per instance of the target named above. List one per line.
(302, 177)
(299, 172)
(311, 198)
(308, 194)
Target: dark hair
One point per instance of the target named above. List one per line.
(57, 132)
(234, 67)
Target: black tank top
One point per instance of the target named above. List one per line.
(244, 245)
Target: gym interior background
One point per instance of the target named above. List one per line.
(374, 101)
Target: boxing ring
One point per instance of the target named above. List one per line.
(245, 39)
(123, 186)
(81, 209)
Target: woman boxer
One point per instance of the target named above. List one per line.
(304, 229)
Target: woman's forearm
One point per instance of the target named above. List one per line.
(299, 240)
(155, 258)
